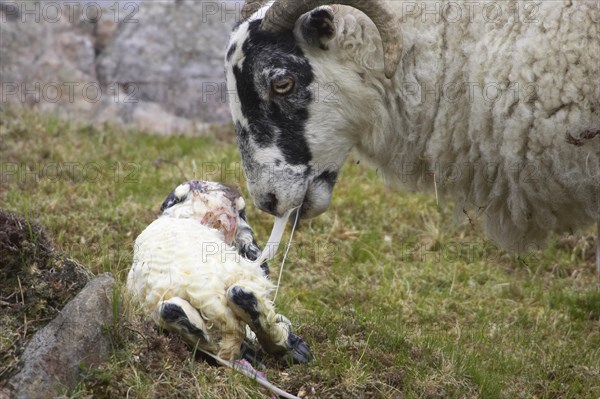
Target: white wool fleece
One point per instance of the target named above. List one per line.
(500, 104)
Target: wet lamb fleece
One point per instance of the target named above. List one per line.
(193, 273)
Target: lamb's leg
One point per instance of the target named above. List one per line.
(272, 330)
(245, 242)
(178, 316)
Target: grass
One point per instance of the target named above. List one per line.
(396, 297)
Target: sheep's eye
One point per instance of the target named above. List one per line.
(283, 86)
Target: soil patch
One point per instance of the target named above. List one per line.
(36, 283)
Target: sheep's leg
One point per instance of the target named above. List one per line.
(272, 330)
(178, 316)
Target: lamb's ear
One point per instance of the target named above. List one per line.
(317, 27)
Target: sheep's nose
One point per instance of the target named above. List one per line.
(268, 204)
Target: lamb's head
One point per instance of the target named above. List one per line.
(213, 204)
(292, 140)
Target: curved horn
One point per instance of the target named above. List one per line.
(283, 14)
(251, 6)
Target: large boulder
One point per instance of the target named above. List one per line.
(148, 65)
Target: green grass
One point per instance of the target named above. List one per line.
(396, 297)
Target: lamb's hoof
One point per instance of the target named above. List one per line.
(298, 351)
(251, 355)
(252, 252)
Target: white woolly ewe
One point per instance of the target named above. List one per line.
(499, 142)
(501, 106)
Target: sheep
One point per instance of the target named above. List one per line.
(494, 104)
(193, 273)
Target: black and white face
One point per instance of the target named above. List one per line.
(286, 138)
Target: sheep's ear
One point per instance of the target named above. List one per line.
(317, 27)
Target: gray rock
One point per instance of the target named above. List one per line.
(173, 55)
(119, 61)
(48, 58)
(75, 338)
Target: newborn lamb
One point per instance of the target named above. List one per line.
(193, 272)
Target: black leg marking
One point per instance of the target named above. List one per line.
(251, 252)
(172, 313)
(246, 248)
(265, 268)
(245, 301)
(243, 215)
